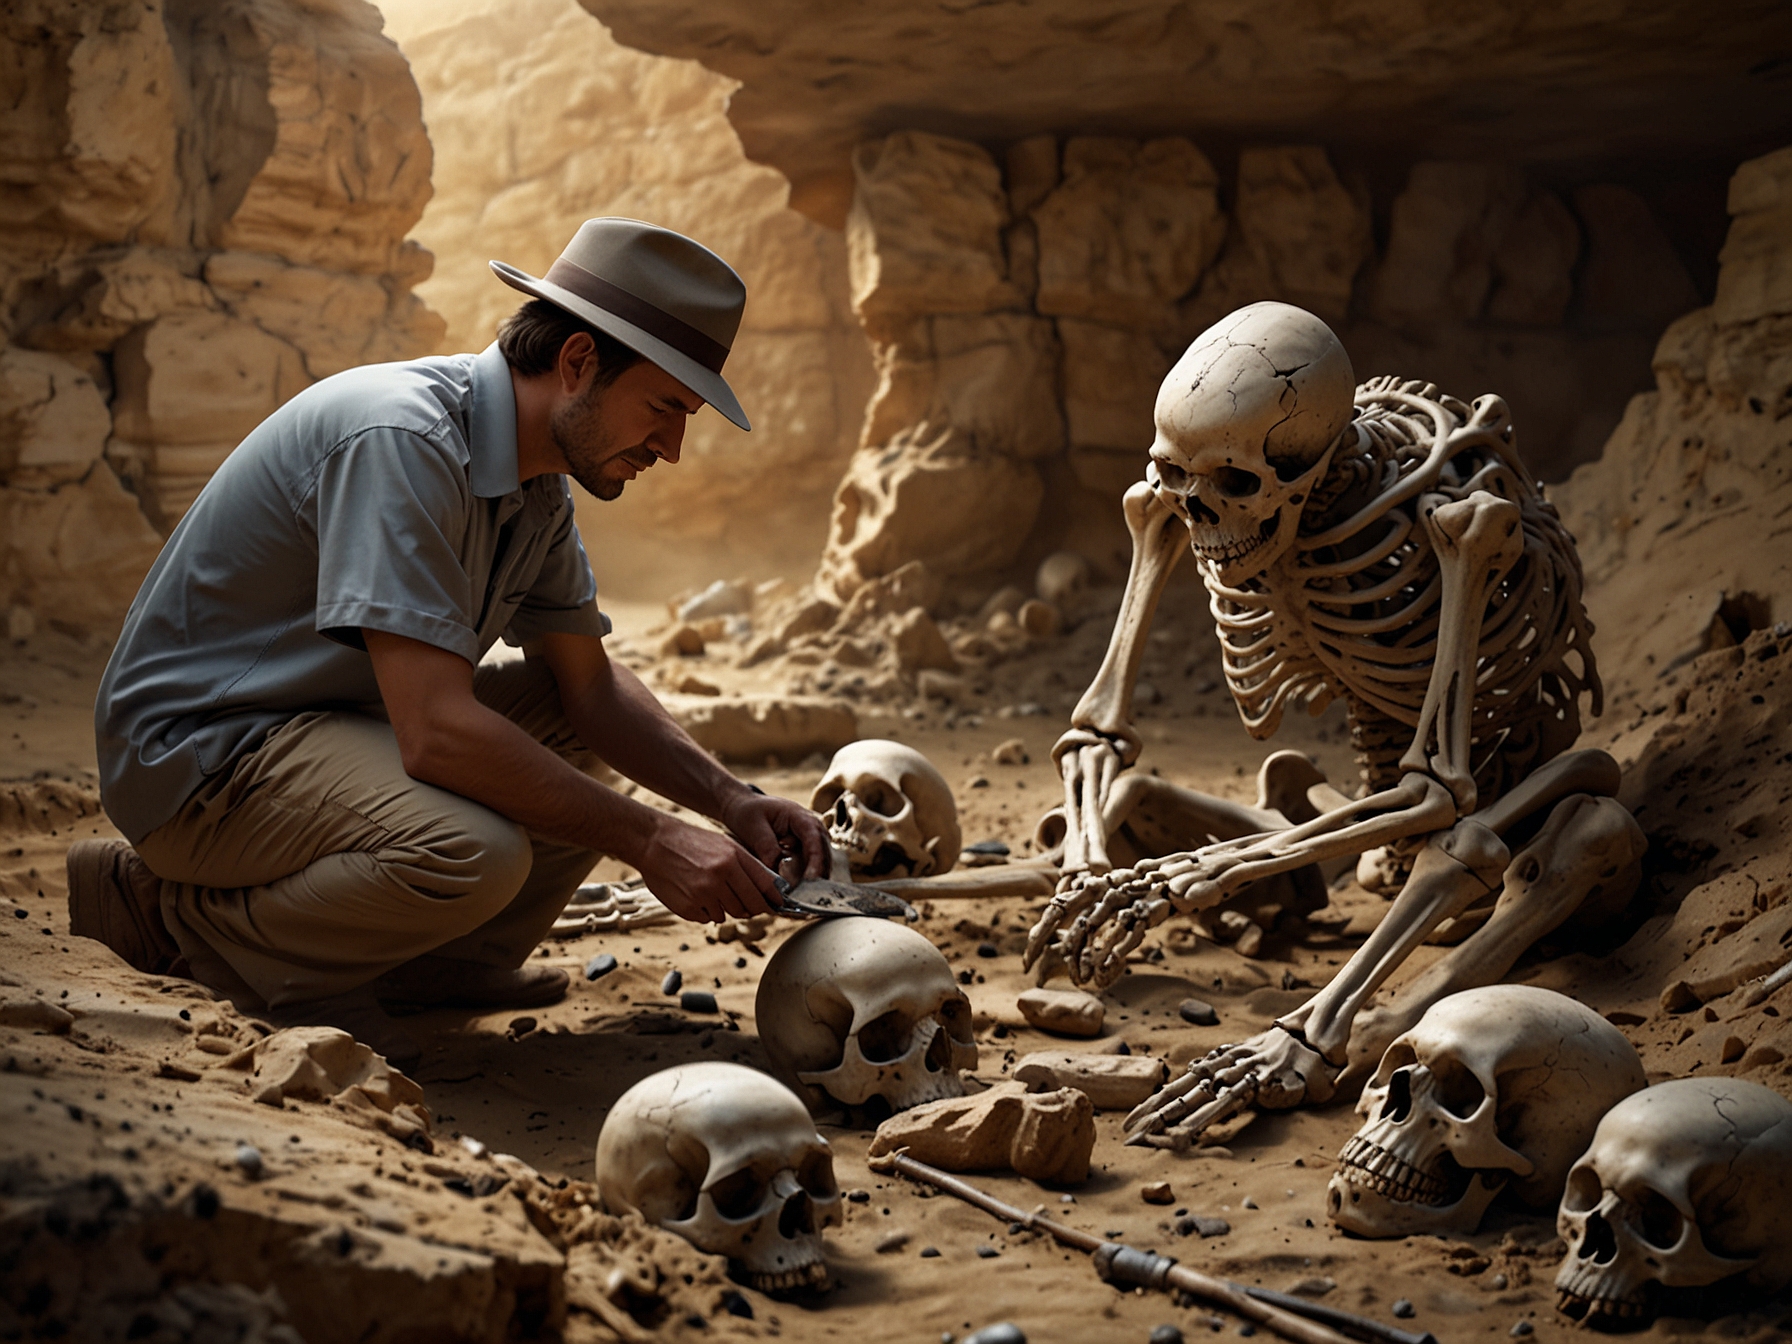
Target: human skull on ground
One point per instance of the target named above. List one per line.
(729, 1160)
(1498, 1085)
(889, 813)
(1686, 1183)
(1241, 465)
(851, 1010)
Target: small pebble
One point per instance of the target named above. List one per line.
(1157, 1192)
(1247, 1203)
(600, 966)
(1402, 1309)
(1520, 1328)
(735, 1304)
(930, 1252)
(672, 982)
(1066, 1199)
(1317, 1285)
(1166, 1334)
(1197, 1013)
(1002, 1332)
(859, 1196)
(987, 950)
(988, 847)
(521, 1026)
(1247, 1329)
(1206, 1227)
(698, 1001)
(1497, 1282)
(892, 1241)
(987, 1252)
(248, 1157)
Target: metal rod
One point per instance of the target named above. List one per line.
(1223, 1292)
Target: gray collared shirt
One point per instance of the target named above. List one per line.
(382, 498)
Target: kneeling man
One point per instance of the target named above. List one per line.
(333, 806)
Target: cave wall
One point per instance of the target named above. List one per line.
(541, 120)
(1024, 306)
(206, 211)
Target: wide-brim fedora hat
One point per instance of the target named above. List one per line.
(670, 299)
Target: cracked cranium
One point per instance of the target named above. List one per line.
(889, 813)
(729, 1160)
(1246, 424)
(1687, 1183)
(855, 1009)
(1498, 1085)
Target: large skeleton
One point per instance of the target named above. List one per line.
(1382, 544)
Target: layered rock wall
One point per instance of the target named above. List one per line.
(541, 121)
(206, 211)
(1024, 306)
(1685, 522)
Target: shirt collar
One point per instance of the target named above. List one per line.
(491, 426)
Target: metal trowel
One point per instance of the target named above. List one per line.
(820, 897)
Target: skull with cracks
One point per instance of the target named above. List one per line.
(729, 1160)
(1686, 1184)
(1494, 1086)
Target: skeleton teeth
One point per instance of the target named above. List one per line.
(1365, 1164)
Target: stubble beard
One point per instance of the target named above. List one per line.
(586, 444)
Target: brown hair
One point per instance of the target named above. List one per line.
(531, 339)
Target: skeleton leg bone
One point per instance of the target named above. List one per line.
(1587, 854)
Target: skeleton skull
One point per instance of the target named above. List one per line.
(1494, 1085)
(728, 1159)
(1246, 425)
(856, 1009)
(1686, 1183)
(888, 811)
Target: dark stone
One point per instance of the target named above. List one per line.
(987, 1252)
(599, 966)
(1402, 1309)
(988, 847)
(987, 950)
(1002, 1332)
(736, 1304)
(205, 1202)
(1197, 1013)
(673, 981)
(1198, 1225)
(1166, 1334)
(698, 1001)
(930, 1252)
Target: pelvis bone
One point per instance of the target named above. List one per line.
(852, 1010)
(1494, 1086)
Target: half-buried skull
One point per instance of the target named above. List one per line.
(1494, 1086)
(889, 813)
(729, 1160)
(855, 1011)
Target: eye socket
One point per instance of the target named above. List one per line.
(816, 1175)
(1236, 484)
(1584, 1191)
(1458, 1091)
(880, 798)
(1172, 477)
(884, 1039)
(1656, 1219)
(738, 1195)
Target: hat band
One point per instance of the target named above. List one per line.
(656, 322)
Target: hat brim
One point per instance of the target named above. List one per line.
(705, 383)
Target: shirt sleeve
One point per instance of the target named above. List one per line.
(391, 508)
(563, 598)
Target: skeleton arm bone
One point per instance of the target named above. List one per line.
(1102, 740)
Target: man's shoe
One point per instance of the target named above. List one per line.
(360, 1015)
(113, 898)
(447, 982)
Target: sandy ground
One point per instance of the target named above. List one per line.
(127, 1109)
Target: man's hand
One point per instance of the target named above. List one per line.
(776, 829)
(703, 876)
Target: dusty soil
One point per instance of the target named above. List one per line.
(123, 1202)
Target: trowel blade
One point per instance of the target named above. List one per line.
(821, 897)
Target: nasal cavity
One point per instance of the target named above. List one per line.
(1601, 1244)
(1399, 1103)
(796, 1218)
(1236, 484)
(840, 814)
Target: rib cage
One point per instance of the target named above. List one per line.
(1353, 608)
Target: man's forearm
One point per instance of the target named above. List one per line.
(617, 717)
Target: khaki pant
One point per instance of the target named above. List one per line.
(317, 863)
